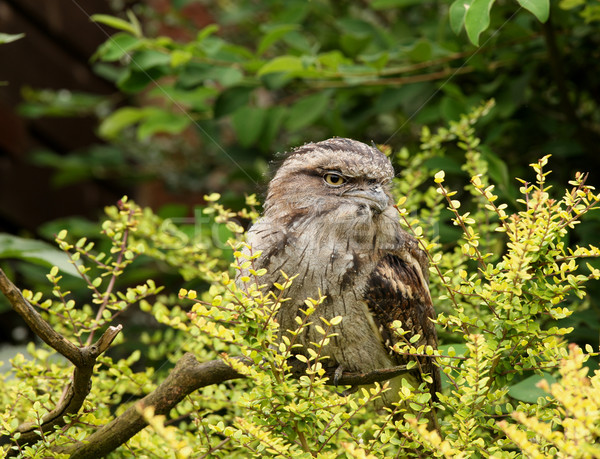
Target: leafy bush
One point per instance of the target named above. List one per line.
(501, 290)
(270, 76)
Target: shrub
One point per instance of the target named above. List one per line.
(502, 292)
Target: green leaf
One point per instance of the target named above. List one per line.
(273, 122)
(194, 74)
(231, 99)
(199, 99)
(527, 390)
(460, 349)
(248, 123)
(307, 110)
(117, 46)
(333, 59)
(477, 19)
(45, 102)
(570, 4)
(458, 10)
(356, 35)
(148, 58)
(207, 31)
(451, 108)
(120, 119)
(421, 51)
(157, 120)
(180, 57)
(273, 34)
(497, 168)
(8, 38)
(539, 8)
(35, 251)
(283, 64)
(118, 23)
(134, 80)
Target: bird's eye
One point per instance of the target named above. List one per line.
(334, 179)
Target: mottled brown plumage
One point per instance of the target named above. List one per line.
(329, 218)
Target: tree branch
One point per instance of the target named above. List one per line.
(82, 358)
(37, 324)
(187, 376)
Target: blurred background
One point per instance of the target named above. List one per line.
(169, 100)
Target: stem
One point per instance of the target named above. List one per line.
(113, 279)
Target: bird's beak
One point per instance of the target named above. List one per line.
(375, 197)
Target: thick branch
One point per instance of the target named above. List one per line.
(83, 359)
(360, 379)
(37, 324)
(188, 376)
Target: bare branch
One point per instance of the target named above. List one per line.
(188, 376)
(83, 359)
(37, 324)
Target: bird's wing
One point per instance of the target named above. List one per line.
(397, 290)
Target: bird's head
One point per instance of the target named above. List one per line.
(342, 176)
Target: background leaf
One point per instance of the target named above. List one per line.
(527, 390)
(477, 19)
(8, 38)
(307, 110)
(540, 8)
(35, 251)
(458, 10)
(117, 23)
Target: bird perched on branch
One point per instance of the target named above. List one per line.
(329, 218)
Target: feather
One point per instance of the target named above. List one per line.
(397, 290)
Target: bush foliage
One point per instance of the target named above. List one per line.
(502, 291)
(268, 76)
(510, 261)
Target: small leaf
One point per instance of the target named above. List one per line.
(8, 38)
(477, 19)
(248, 124)
(148, 58)
(336, 320)
(119, 120)
(207, 31)
(157, 121)
(117, 23)
(273, 34)
(283, 64)
(117, 46)
(307, 110)
(539, 8)
(458, 10)
(231, 99)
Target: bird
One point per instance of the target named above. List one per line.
(329, 218)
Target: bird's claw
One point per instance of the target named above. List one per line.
(337, 375)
